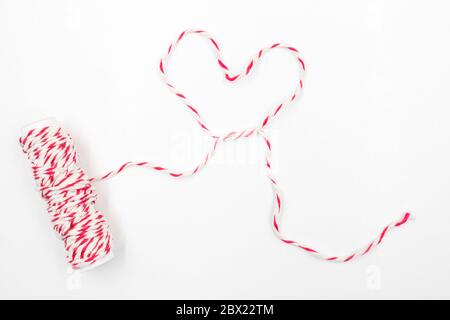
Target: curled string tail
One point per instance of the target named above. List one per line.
(278, 210)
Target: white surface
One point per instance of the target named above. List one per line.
(368, 141)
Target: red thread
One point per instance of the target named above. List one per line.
(231, 78)
(249, 67)
(222, 64)
(214, 43)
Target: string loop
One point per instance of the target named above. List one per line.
(71, 196)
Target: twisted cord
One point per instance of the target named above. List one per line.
(71, 197)
(257, 130)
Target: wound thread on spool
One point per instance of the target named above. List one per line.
(69, 194)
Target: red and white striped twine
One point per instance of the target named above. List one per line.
(69, 194)
(71, 197)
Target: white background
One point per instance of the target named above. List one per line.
(368, 141)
